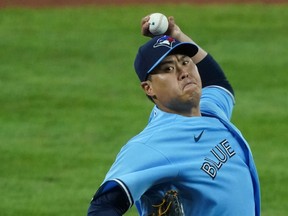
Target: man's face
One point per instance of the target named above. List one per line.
(175, 84)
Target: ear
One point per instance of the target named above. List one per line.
(148, 88)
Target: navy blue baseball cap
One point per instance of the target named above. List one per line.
(154, 51)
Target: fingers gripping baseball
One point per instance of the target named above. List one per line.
(145, 27)
(173, 29)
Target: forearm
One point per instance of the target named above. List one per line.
(201, 54)
(113, 203)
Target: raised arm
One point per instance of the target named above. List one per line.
(210, 71)
(175, 32)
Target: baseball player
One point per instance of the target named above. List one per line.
(189, 145)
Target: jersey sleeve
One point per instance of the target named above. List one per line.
(217, 101)
(134, 176)
(212, 74)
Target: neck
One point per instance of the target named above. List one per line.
(184, 111)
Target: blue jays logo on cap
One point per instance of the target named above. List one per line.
(166, 41)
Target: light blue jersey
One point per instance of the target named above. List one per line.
(205, 159)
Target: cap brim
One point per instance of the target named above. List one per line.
(184, 48)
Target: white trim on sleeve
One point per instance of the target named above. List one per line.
(126, 191)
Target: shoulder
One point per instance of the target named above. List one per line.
(217, 101)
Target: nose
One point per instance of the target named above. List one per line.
(183, 74)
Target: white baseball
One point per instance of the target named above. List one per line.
(158, 23)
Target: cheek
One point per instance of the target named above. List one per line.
(196, 75)
(161, 81)
(165, 87)
(199, 81)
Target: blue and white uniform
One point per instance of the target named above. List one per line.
(206, 159)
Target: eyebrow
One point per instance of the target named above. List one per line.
(168, 61)
(165, 62)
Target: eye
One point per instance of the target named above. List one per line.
(186, 61)
(170, 68)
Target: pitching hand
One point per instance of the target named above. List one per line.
(173, 28)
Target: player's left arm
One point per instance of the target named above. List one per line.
(209, 70)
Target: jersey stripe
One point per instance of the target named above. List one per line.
(126, 191)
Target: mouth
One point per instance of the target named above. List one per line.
(188, 84)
